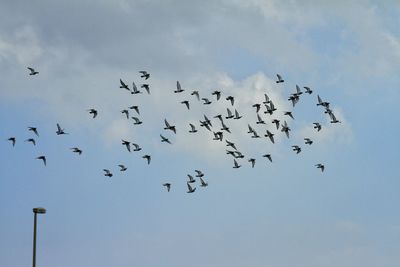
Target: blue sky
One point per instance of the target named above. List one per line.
(285, 213)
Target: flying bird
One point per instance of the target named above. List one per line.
(320, 166)
(270, 136)
(308, 141)
(137, 121)
(148, 158)
(297, 149)
(196, 93)
(298, 91)
(31, 140)
(190, 189)
(253, 162)
(146, 87)
(317, 126)
(76, 150)
(192, 128)
(225, 128)
(235, 164)
(308, 90)
(199, 173)
(127, 144)
(203, 183)
(107, 173)
(144, 74)
(168, 186)
(134, 89)
(186, 103)
(178, 88)
(169, 127)
(276, 123)
(232, 99)
(33, 71)
(43, 158)
(60, 130)
(34, 130)
(280, 80)
(122, 167)
(267, 100)
(123, 85)
(218, 136)
(136, 108)
(164, 139)
(206, 101)
(259, 120)
(126, 112)
(285, 129)
(333, 118)
(13, 140)
(288, 113)
(137, 147)
(237, 116)
(257, 106)
(191, 179)
(230, 115)
(268, 156)
(322, 103)
(230, 144)
(93, 112)
(217, 94)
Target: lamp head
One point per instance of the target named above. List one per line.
(39, 210)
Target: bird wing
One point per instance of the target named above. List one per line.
(178, 86)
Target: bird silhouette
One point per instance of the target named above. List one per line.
(322, 103)
(285, 129)
(231, 99)
(31, 140)
(137, 121)
(127, 145)
(191, 179)
(317, 126)
(178, 88)
(196, 93)
(259, 120)
(135, 89)
(199, 173)
(257, 106)
(217, 94)
(225, 128)
(268, 156)
(148, 158)
(190, 189)
(288, 113)
(146, 87)
(169, 127)
(34, 130)
(253, 162)
(237, 116)
(308, 90)
(270, 136)
(230, 144)
(218, 136)
(144, 74)
(236, 165)
(164, 139)
(137, 147)
(93, 112)
(230, 115)
(203, 183)
(320, 166)
(297, 149)
(32, 71)
(76, 150)
(267, 99)
(308, 141)
(280, 80)
(276, 122)
(186, 103)
(13, 140)
(43, 158)
(60, 131)
(192, 128)
(135, 108)
(206, 101)
(123, 85)
(122, 167)
(107, 173)
(126, 112)
(168, 186)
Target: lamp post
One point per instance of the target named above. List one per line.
(35, 212)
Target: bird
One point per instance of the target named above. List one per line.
(230, 144)
(217, 94)
(148, 158)
(196, 93)
(317, 126)
(237, 116)
(43, 158)
(137, 147)
(164, 139)
(251, 130)
(168, 186)
(203, 183)
(285, 129)
(136, 108)
(232, 99)
(127, 144)
(267, 100)
(322, 103)
(107, 173)
(255, 135)
(298, 91)
(308, 90)
(219, 116)
(225, 128)
(134, 89)
(169, 127)
(288, 113)
(60, 130)
(270, 136)
(186, 103)
(76, 150)
(122, 167)
(218, 136)
(320, 166)
(33, 71)
(206, 101)
(93, 112)
(191, 179)
(276, 123)
(190, 189)
(144, 75)
(253, 162)
(137, 121)
(123, 85)
(294, 98)
(192, 128)
(205, 124)
(270, 109)
(230, 115)
(333, 118)
(268, 156)
(34, 130)
(308, 141)
(31, 140)
(280, 80)
(257, 106)
(297, 149)
(178, 88)
(238, 155)
(146, 87)
(259, 120)
(235, 164)
(199, 173)
(13, 140)
(126, 112)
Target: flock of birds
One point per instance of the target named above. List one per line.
(218, 133)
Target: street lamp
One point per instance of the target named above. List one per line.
(35, 212)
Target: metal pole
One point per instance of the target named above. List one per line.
(34, 239)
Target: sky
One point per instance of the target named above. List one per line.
(284, 213)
